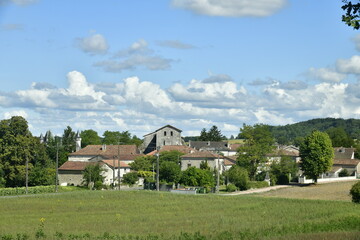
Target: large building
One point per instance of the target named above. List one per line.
(167, 135)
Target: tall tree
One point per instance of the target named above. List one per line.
(116, 137)
(214, 134)
(143, 163)
(89, 137)
(258, 142)
(339, 138)
(351, 16)
(316, 155)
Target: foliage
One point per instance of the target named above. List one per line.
(170, 172)
(294, 132)
(258, 184)
(92, 174)
(197, 177)
(258, 142)
(214, 134)
(204, 165)
(316, 155)
(239, 177)
(231, 187)
(351, 16)
(339, 138)
(344, 173)
(170, 156)
(41, 176)
(143, 163)
(130, 178)
(355, 192)
(280, 170)
(146, 174)
(89, 137)
(116, 137)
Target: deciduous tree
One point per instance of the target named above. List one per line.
(89, 137)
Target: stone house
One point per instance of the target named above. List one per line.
(214, 161)
(167, 135)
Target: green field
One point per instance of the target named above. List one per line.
(152, 215)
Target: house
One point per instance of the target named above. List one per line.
(284, 151)
(344, 158)
(194, 159)
(224, 148)
(114, 160)
(229, 161)
(167, 135)
(180, 148)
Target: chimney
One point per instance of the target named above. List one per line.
(103, 147)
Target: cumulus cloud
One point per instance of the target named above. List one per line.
(231, 8)
(356, 41)
(175, 44)
(218, 78)
(137, 55)
(351, 65)
(326, 74)
(94, 44)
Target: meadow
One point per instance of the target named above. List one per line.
(153, 215)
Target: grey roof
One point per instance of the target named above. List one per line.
(169, 126)
(209, 145)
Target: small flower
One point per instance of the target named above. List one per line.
(42, 220)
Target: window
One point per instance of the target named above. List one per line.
(164, 143)
(171, 133)
(189, 165)
(164, 133)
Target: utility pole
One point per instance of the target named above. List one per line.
(218, 174)
(27, 174)
(113, 180)
(119, 166)
(157, 169)
(57, 167)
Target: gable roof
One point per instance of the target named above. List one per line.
(209, 145)
(202, 154)
(343, 153)
(346, 162)
(106, 150)
(229, 161)
(77, 166)
(115, 163)
(169, 126)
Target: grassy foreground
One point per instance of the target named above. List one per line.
(152, 215)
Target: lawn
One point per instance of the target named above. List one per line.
(152, 215)
(338, 191)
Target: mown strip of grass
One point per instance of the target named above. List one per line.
(166, 215)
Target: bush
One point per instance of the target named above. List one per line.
(130, 178)
(258, 184)
(231, 188)
(98, 185)
(239, 177)
(344, 173)
(355, 192)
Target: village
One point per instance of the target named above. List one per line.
(116, 160)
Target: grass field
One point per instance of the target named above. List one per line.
(152, 215)
(338, 191)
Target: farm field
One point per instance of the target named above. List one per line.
(338, 191)
(152, 215)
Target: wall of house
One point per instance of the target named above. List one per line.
(196, 163)
(108, 174)
(70, 178)
(79, 158)
(168, 136)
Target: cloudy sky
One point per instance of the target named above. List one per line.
(137, 65)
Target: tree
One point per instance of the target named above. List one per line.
(116, 137)
(316, 155)
(197, 177)
(93, 174)
(239, 177)
(339, 138)
(355, 192)
(170, 172)
(130, 178)
(281, 170)
(214, 134)
(143, 163)
(258, 142)
(351, 16)
(89, 137)
(170, 156)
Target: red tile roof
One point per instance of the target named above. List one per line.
(112, 162)
(106, 150)
(76, 165)
(180, 148)
(347, 162)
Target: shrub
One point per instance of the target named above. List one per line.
(344, 173)
(258, 184)
(98, 185)
(231, 188)
(355, 192)
(130, 178)
(239, 177)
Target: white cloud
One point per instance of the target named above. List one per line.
(351, 65)
(232, 8)
(356, 41)
(326, 74)
(21, 113)
(94, 44)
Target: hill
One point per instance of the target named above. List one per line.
(289, 133)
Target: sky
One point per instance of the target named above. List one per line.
(139, 65)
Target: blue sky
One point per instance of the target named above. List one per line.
(138, 65)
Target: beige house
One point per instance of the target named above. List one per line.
(215, 161)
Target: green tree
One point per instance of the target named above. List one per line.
(258, 142)
(339, 138)
(92, 174)
(170, 156)
(130, 178)
(89, 137)
(214, 134)
(239, 177)
(316, 155)
(143, 163)
(116, 137)
(170, 172)
(351, 16)
(197, 177)
(282, 169)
